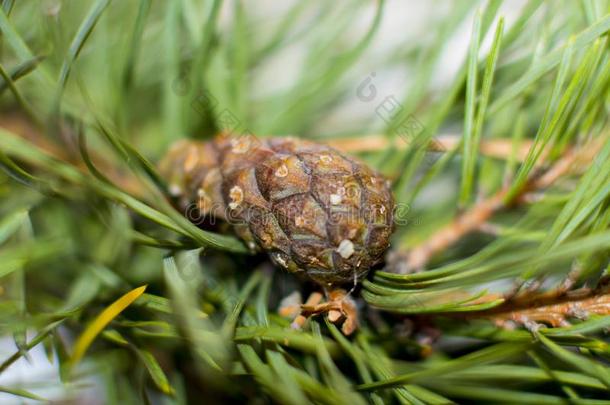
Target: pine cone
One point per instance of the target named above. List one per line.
(315, 211)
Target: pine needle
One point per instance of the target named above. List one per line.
(101, 321)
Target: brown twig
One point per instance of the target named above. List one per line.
(339, 307)
(313, 300)
(552, 308)
(19, 125)
(500, 148)
(477, 216)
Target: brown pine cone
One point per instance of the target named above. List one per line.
(315, 211)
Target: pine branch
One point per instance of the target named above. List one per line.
(476, 217)
(553, 308)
